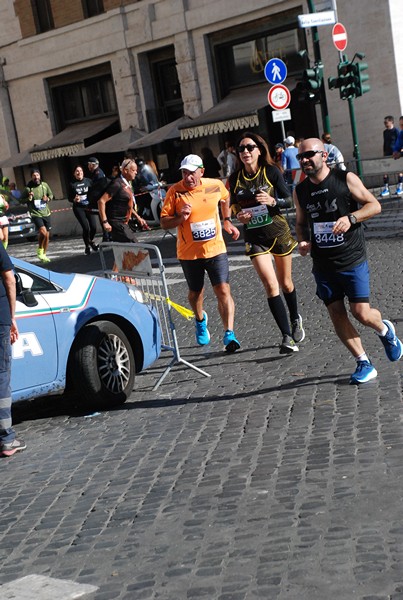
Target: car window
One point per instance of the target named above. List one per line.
(40, 284)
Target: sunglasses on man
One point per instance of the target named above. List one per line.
(308, 154)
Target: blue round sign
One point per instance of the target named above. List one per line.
(275, 71)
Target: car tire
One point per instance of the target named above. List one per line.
(103, 365)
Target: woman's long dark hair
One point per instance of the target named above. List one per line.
(265, 156)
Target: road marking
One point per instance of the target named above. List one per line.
(41, 587)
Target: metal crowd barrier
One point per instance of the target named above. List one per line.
(133, 265)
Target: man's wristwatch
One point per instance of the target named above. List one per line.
(352, 219)
(228, 219)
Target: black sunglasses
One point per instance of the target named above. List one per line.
(248, 147)
(308, 154)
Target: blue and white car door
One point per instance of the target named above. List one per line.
(35, 353)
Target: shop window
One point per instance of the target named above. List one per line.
(43, 16)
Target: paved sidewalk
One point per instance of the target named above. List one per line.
(273, 479)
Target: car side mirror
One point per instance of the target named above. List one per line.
(23, 285)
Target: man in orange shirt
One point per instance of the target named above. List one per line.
(191, 205)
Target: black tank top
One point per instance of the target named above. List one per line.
(324, 203)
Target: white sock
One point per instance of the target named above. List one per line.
(384, 331)
(362, 357)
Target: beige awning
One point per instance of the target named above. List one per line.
(72, 139)
(238, 110)
(167, 132)
(116, 143)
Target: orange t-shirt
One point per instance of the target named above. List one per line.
(200, 236)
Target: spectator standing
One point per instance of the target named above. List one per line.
(191, 205)
(330, 207)
(289, 162)
(37, 196)
(398, 147)
(9, 445)
(390, 135)
(228, 159)
(334, 156)
(211, 164)
(278, 155)
(78, 195)
(150, 190)
(4, 206)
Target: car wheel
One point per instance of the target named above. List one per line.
(104, 365)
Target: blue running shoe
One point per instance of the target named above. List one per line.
(385, 192)
(364, 372)
(393, 346)
(231, 344)
(202, 333)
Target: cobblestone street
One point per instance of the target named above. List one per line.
(273, 480)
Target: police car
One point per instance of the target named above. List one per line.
(82, 333)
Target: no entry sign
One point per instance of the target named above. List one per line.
(339, 35)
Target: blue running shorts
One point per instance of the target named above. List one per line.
(353, 284)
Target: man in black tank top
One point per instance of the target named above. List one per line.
(330, 207)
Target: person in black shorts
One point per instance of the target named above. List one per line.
(37, 195)
(330, 206)
(253, 191)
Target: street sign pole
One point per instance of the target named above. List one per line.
(322, 90)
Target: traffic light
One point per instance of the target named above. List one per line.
(309, 87)
(351, 79)
(347, 76)
(313, 77)
(360, 78)
(345, 82)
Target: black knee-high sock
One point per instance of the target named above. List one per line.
(291, 299)
(279, 313)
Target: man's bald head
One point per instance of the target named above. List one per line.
(311, 144)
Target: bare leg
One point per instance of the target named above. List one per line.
(283, 270)
(43, 238)
(370, 317)
(196, 303)
(344, 328)
(263, 266)
(226, 305)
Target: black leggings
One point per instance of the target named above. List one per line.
(88, 222)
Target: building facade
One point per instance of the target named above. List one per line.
(75, 73)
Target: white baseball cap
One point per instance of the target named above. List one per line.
(289, 140)
(191, 162)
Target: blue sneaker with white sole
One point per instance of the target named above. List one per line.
(231, 344)
(364, 372)
(202, 333)
(393, 346)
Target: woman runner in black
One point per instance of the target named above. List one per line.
(78, 195)
(266, 232)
